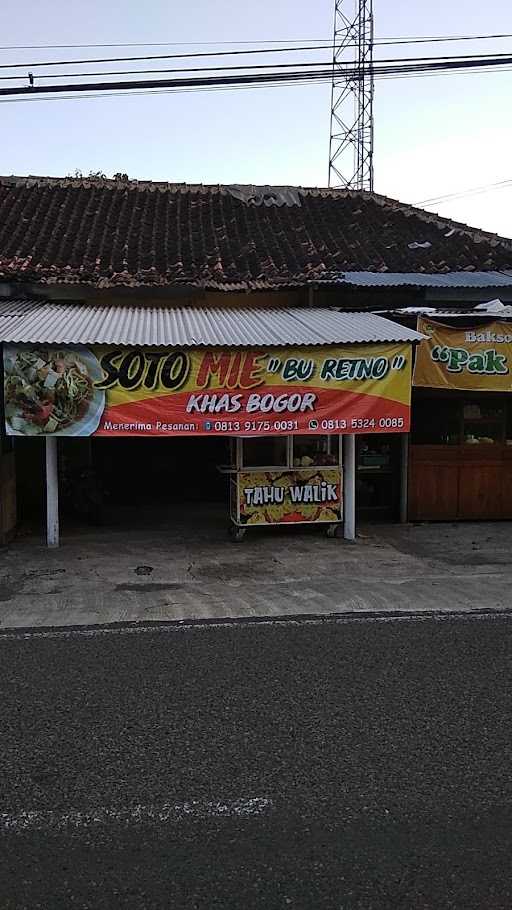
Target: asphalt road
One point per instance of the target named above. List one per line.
(313, 765)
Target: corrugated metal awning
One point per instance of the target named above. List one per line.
(426, 280)
(46, 322)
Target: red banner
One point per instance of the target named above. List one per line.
(113, 391)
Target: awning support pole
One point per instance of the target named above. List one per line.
(349, 487)
(52, 493)
(404, 476)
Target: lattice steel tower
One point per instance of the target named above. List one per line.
(351, 144)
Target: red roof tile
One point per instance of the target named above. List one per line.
(112, 233)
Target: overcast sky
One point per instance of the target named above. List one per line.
(433, 136)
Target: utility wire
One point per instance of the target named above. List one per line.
(244, 78)
(259, 66)
(199, 69)
(428, 75)
(432, 39)
(474, 191)
(169, 91)
(235, 88)
(238, 52)
(250, 78)
(401, 40)
(264, 50)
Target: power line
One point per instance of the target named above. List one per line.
(427, 39)
(197, 54)
(258, 66)
(169, 91)
(471, 192)
(35, 47)
(93, 95)
(428, 75)
(251, 78)
(237, 52)
(433, 39)
(199, 69)
(243, 78)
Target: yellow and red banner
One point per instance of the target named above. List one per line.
(114, 391)
(478, 358)
(288, 497)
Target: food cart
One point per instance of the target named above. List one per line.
(279, 480)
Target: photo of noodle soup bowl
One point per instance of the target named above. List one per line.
(50, 392)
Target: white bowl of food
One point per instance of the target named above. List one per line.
(50, 391)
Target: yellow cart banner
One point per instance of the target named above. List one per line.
(477, 358)
(114, 391)
(289, 497)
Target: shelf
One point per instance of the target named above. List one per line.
(483, 420)
(375, 470)
(389, 508)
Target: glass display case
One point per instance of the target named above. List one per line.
(265, 451)
(436, 422)
(314, 450)
(482, 423)
(378, 471)
(466, 420)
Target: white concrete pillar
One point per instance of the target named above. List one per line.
(404, 476)
(349, 487)
(52, 493)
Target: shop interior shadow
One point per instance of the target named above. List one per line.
(127, 484)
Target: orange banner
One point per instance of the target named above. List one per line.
(113, 391)
(478, 358)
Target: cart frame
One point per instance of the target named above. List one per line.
(237, 529)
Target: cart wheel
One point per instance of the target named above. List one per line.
(237, 534)
(332, 531)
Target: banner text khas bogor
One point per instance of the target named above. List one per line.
(114, 391)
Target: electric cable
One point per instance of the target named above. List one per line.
(413, 39)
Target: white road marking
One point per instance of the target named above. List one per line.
(48, 819)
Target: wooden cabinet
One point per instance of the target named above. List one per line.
(457, 482)
(480, 491)
(433, 483)
(433, 491)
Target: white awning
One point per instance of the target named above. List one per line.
(46, 322)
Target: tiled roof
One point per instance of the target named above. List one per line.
(45, 322)
(109, 233)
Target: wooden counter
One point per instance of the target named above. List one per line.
(454, 482)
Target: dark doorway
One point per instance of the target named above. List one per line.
(133, 481)
(378, 477)
(164, 470)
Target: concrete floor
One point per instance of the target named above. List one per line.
(183, 566)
